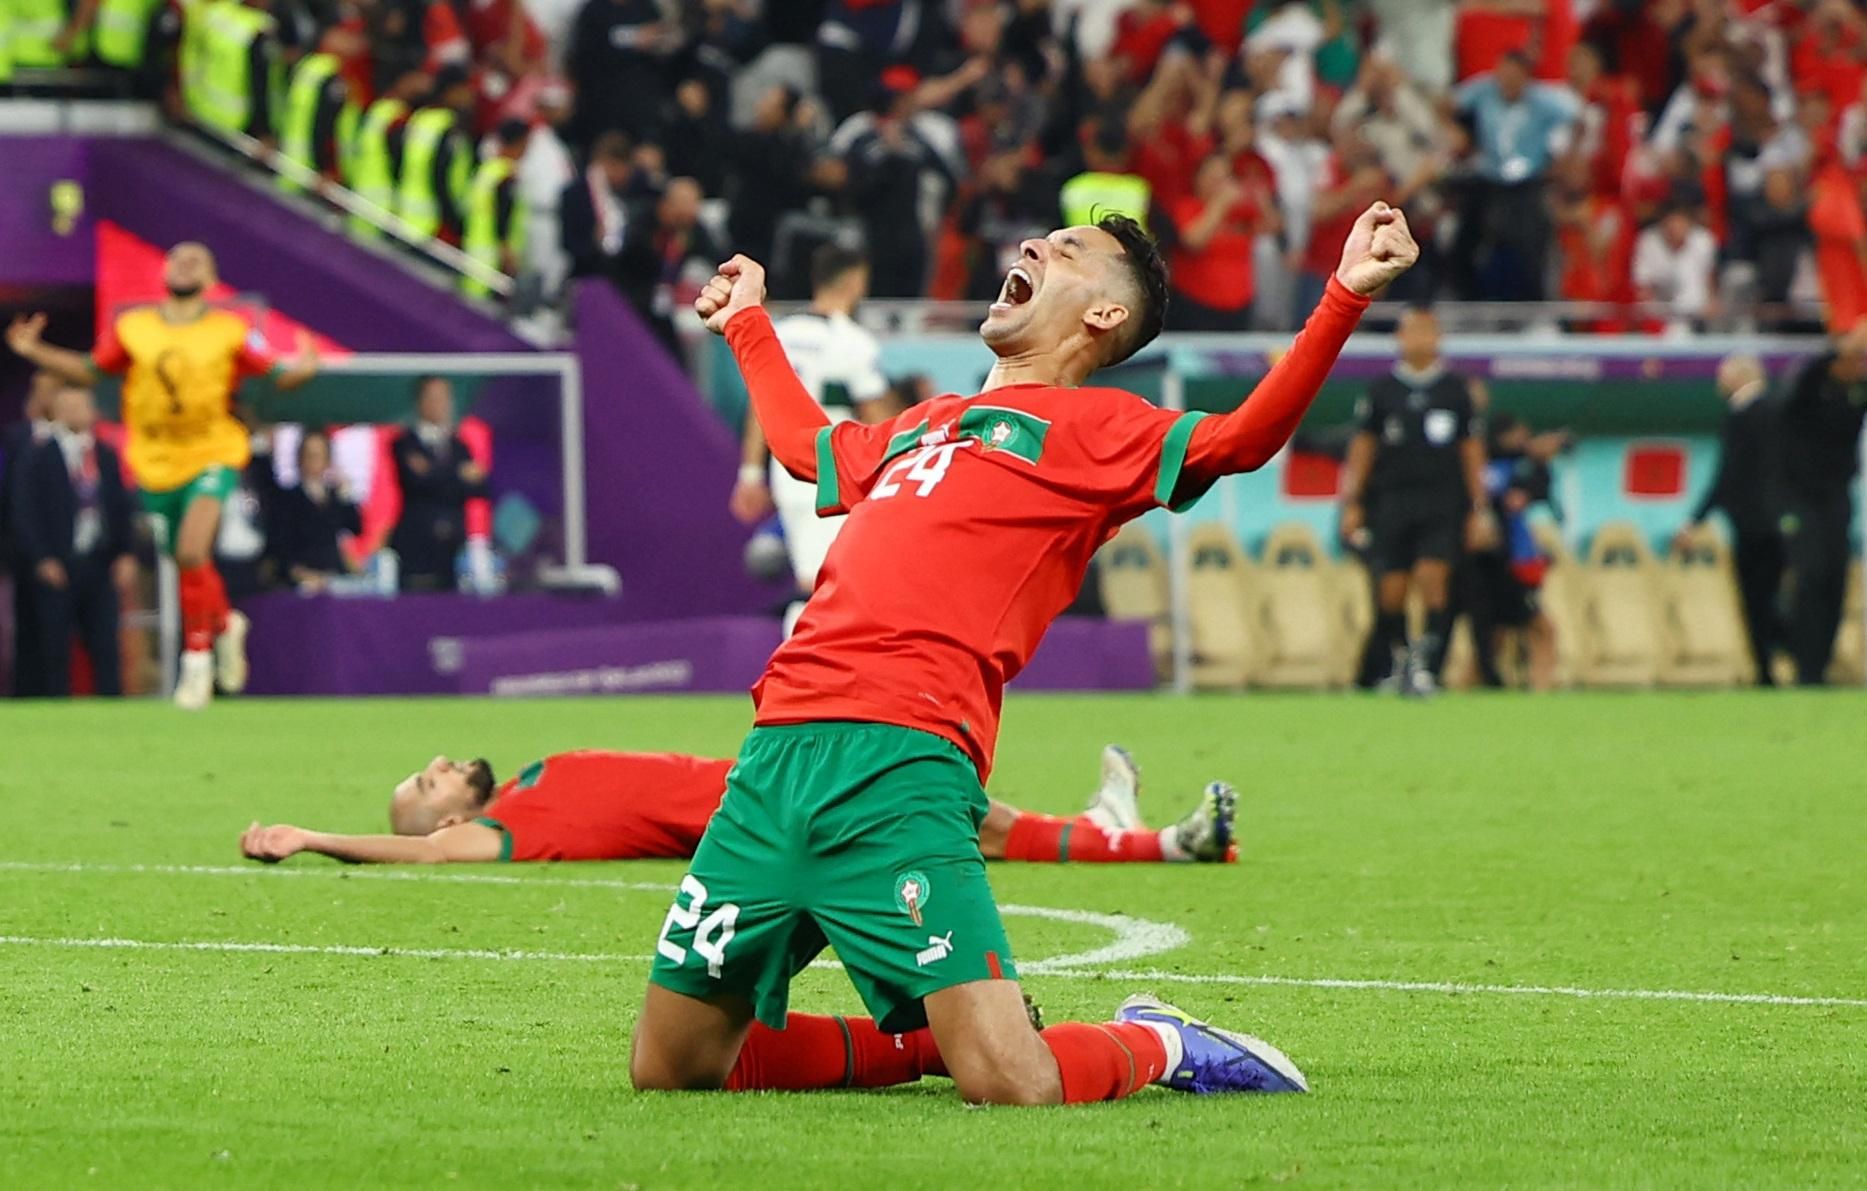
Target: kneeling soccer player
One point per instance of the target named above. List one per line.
(595, 805)
(851, 818)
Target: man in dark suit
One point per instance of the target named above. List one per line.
(662, 237)
(71, 525)
(34, 427)
(438, 477)
(1818, 437)
(1744, 488)
(593, 208)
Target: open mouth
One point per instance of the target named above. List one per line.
(1017, 290)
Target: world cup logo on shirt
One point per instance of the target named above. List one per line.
(911, 893)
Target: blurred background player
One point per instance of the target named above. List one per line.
(1745, 489)
(839, 363)
(182, 360)
(1413, 493)
(71, 527)
(597, 805)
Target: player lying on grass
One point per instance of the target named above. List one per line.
(851, 818)
(592, 805)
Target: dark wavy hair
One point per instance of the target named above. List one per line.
(1146, 269)
(480, 780)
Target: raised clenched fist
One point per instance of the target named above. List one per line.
(740, 283)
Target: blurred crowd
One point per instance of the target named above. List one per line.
(1703, 157)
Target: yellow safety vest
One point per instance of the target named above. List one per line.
(217, 43)
(35, 26)
(416, 201)
(6, 45)
(1090, 195)
(122, 31)
(369, 167)
(300, 123)
(481, 238)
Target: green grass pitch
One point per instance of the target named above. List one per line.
(1709, 844)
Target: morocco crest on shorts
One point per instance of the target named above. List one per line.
(911, 892)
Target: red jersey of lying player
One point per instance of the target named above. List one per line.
(597, 805)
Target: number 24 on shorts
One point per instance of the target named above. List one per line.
(711, 934)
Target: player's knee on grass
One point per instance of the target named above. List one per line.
(992, 1054)
(685, 1044)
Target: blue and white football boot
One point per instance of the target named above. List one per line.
(1206, 1060)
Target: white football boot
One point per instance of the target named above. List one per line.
(1116, 804)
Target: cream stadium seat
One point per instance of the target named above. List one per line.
(1299, 613)
(1563, 601)
(1133, 576)
(1355, 591)
(1704, 643)
(1849, 666)
(1221, 593)
(1621, 611)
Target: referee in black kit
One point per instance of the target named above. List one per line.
(1413, 495)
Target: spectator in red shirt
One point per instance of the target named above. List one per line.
(1170, 127)
(1214, 233)
(1637, 38)
(1594, 240)
(1354, 178)
(1144, 32)
(1489, 29)
(1604, 131)
(1831, 55)
(1840, 230)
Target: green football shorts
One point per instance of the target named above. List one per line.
(217, 481)
(864, 837)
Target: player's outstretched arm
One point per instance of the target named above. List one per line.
(1379, 249)
(25, 336)
(732, 305)
(302, 368)
(460, 843)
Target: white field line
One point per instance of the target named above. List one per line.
(1135, 937)
(1454, 988)
(1046, 970)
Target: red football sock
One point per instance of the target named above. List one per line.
(218, 591)
(813, 1051)
(1047, 838)
(1105, 1061)
(200, 612)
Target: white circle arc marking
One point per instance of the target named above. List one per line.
(1133, 936)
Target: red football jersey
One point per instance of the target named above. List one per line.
(972, 523)
(595, 805)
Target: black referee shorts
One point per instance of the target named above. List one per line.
(1404, 532)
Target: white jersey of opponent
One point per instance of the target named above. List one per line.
(840, 365)
(838, 361)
